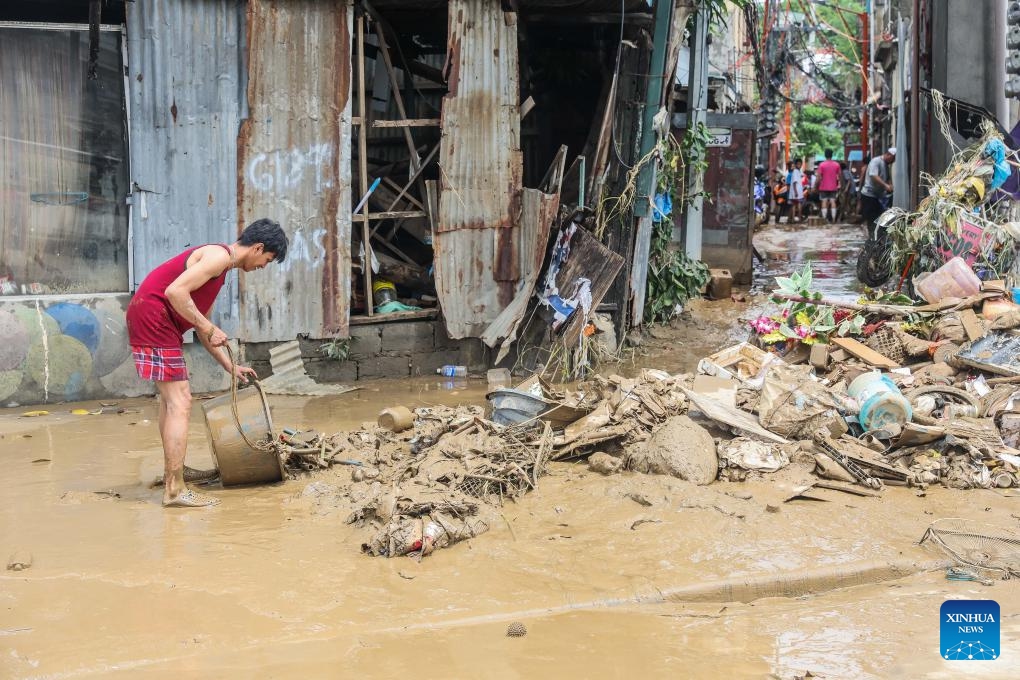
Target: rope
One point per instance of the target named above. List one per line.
(270, 443)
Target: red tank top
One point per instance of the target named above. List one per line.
(151, 319)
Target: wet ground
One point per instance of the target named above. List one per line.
(622, 576)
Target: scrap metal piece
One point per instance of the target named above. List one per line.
(851, 466)
(289, 375)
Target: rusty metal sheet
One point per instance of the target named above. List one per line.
(294, 166)
(477, 261)
(185, 106)
(541, 208)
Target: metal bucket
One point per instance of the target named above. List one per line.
(237, 462)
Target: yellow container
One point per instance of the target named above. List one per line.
(383, 291)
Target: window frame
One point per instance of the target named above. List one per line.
(103, 28)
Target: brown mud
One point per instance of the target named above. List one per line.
(625, 575)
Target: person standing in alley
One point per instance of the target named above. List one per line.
(780, 194)
(175, 297)
(829, 174)
(877, 186)
(795, 180)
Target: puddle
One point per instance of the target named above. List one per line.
(832, 250)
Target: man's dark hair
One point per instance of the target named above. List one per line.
(797, 160)
(828, 154)
(269, 234)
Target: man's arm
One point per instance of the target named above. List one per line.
(211, 263)
(876, 175)
(878, 179)
(221, 357)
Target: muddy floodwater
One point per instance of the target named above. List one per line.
(627, 576)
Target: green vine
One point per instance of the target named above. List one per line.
(673, 276)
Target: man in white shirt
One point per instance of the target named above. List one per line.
(795, 179)
(877, 185)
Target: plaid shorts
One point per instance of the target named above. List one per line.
(162, 364)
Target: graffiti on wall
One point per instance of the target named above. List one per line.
(63, 350)
(58, 351)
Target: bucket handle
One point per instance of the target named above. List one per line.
(258, 446)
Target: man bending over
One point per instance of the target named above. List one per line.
(175, 297)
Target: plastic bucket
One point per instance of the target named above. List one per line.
(511, 406)
(396, 418)
(237, 462)
(881, 402)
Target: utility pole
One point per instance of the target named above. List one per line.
(697, 114)
(915, 103)
(865, 77)
(788, 119)
(653, 99)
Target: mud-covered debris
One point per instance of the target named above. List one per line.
(680, 448)
(604, 464)
(19, 561)
(516, 629)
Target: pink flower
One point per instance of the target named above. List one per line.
(764, 325)
(803, 331)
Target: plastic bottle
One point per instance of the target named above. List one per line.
(451, 371)
(881, 402)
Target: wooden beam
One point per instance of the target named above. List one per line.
(407, 197)
(414, 176)
(384, 49)
(366, 238)
(430, 73)
(641, 18)
(388, 215)
(407, 122)
(527, 106)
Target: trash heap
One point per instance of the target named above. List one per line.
(443, 479)
(868, 394)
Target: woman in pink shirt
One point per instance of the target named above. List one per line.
(828, 185)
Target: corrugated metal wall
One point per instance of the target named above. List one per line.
(186, 81)
(476, 244)
(295, 165)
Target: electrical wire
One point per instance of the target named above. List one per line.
(616, 92)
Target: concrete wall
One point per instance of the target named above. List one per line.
(72, 349)
(75, 348)
(968, 62)
(394, 349)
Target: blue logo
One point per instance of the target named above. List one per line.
(969, 630)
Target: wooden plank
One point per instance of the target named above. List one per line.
(366, 237)
(527, 106)
(591, 260)
(414, 176)
(407, 122)
(362, 320)
(846, 488)
(384, 50)
(864, 353)
(407, 197)
(731, 417)
(971, 324)
(389, 215)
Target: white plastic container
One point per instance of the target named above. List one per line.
(881, 402)
(953, 279)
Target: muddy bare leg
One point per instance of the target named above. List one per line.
(174, 417)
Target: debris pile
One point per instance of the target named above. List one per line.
(890, 390)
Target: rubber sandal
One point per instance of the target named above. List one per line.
(190, 475)
(190, 499)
